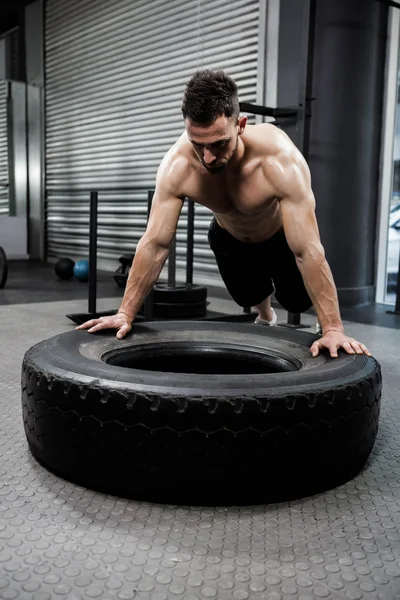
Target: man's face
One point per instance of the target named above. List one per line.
(215, 144)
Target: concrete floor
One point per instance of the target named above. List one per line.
(58, 540)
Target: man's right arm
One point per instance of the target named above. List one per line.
(153, 248)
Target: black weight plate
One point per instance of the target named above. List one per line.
(180, 293)
(121, 280)
(173, 310)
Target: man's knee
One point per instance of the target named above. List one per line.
(294, 303)
(247, 291)
(245, 299)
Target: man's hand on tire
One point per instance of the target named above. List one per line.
(121, 321)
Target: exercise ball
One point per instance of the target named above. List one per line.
(64, 268)
(81, 270)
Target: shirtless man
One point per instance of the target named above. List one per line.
(264, 233)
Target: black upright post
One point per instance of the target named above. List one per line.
(94, 196)
(149, 300)
(190, 243)
(312, 17)
(397, 307)
(150, 195)
(172, 264)
(294, 319)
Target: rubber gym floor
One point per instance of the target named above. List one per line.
(58, 540)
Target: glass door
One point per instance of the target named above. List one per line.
(393, 253)
(389, 215)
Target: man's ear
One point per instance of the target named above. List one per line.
(242, 121)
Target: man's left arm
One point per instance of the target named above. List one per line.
(301, 230)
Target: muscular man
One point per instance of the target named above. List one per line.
(264, 233)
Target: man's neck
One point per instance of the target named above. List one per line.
(237, 160)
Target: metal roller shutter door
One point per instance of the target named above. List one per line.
(4, 175)
(115, 75)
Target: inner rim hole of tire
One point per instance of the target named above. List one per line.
(200, 359)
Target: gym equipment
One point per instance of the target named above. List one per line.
(180, 293)
(92, 313)
(3, 256)
(178, 310)
(64, 268)
(171, 300)
(163, 292)
(165, 300)
(201, 413)
(81, 270)
(189, 291)
(121, 274)
(266, 111)
(3, 268)
(390, 3)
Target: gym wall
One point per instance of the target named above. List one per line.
(115, 73)
(346, 123)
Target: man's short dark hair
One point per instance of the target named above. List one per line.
(208, 95)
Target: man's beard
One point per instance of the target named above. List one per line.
(216, 169)
(221, 167)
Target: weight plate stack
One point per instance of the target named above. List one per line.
(181, 301)
(180, 293)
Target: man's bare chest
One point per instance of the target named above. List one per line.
(248, 195)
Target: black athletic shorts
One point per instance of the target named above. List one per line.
(253, 271)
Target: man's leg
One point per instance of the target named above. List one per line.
(239, 267)
(290, 290)
(265, 310)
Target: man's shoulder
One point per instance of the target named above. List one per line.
(269, 140)
(176, 164)
(178, 154)
(282, 162)
(277, 153)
